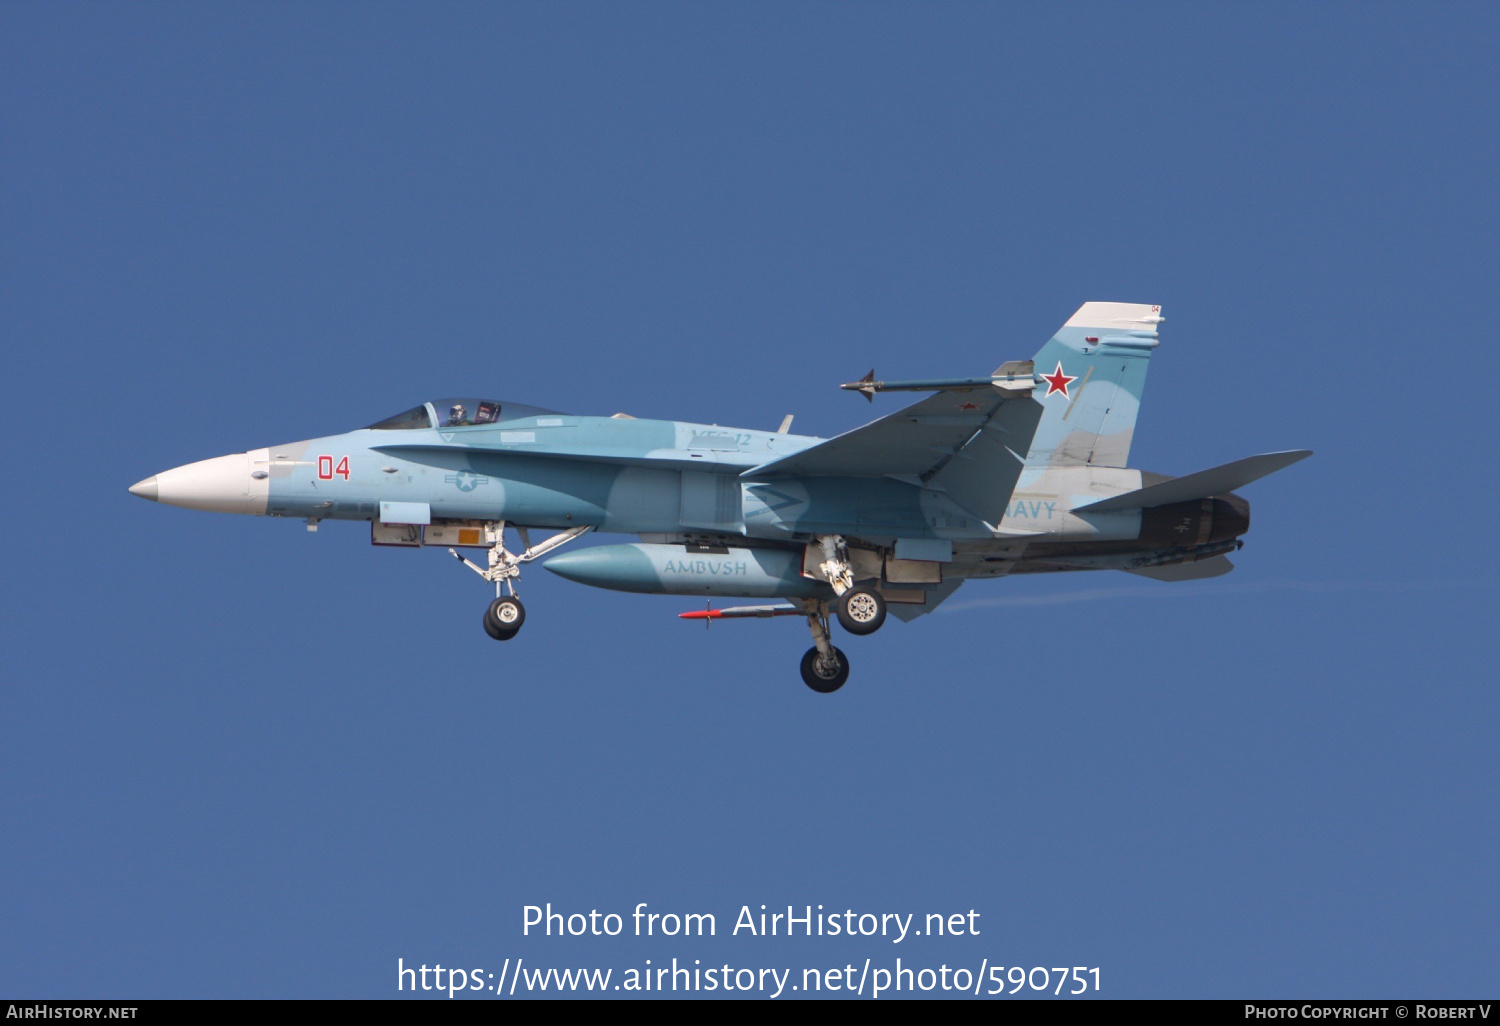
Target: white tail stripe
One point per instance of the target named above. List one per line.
(1106, 315)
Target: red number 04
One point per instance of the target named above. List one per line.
(326, 469)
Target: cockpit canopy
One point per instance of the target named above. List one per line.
(452, 413)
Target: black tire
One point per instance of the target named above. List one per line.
(861, 610)
(493, 629)
(504, 618)
(824, 685)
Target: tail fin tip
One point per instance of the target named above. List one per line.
(1117, 316)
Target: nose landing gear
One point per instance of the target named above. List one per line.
(505, 615)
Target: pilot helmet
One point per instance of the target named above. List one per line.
(458, 414)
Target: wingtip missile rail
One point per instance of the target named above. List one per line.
(1015, 376)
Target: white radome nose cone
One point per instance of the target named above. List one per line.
(145, 489)
(225, 484)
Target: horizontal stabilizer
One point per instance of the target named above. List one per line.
(1216, 481)
(1214, 566)
(936, 595)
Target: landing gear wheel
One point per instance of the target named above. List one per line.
(504, 618)
(825, 680)
(494, 630)
(861, 610)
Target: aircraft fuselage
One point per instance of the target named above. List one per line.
(667, 481)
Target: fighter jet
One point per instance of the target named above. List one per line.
(1016, 472)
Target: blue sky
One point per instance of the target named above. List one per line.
(238, 759)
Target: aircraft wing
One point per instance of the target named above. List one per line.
(970, 442)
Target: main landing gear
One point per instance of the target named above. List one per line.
(824, 668)
(505, 615)
(860, 610)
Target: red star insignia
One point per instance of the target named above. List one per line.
(1057, 381)
(969, 406)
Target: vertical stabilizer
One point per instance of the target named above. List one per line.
(1093, 372)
